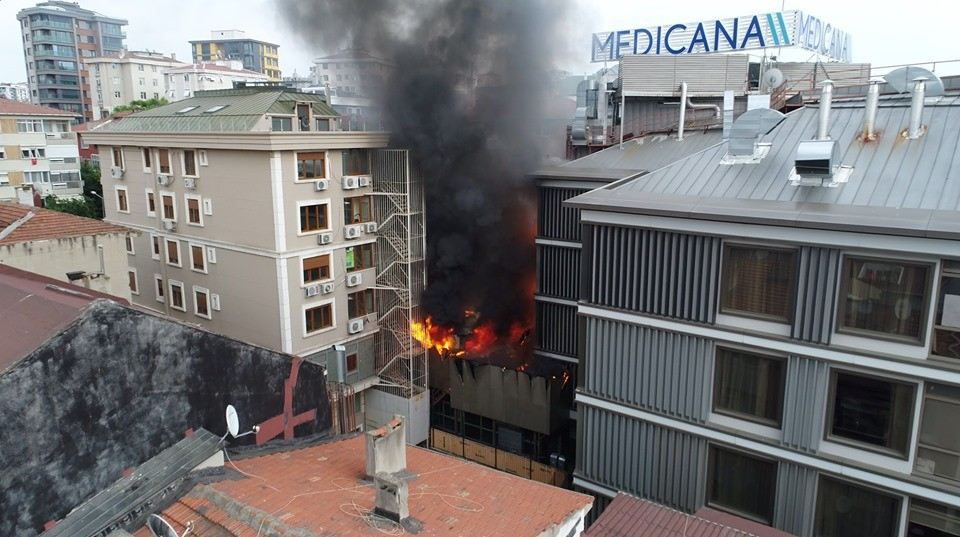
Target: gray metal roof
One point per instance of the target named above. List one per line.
(128, 495)
(243, 108)
(898, 185)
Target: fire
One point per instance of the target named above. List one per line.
(439, 338)
(482, 340)
(475, 339)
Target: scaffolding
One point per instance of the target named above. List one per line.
(401, 272)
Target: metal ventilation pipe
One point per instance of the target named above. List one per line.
(870, 112)
(683, 110)
(703, 106)
(826, 99)
(916, 108)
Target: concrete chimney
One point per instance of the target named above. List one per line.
(386, 464)
(393, 497)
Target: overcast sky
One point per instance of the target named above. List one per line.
(883, 32)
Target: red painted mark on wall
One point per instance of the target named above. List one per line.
(284, 423)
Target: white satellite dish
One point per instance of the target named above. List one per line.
(160, 527)
(233, 421)
(772, 78)
(903, 79)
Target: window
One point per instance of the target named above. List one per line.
(311, 166)
(143, 94)
(151, 203)
(358, 209)
(156, 246)
(145, 152)
(322, 124)
(169, 207)
(122, 205)
(116, 94)
(158, 287)
(359, 257)
(316, 268)
(201, 302)
(189, 162)
(360, 303)
(938, 448)
(848, 510)
(946, 328)
(742, 484)
(758, 282)
(356, 162)
(188, 108)
(928, 519)
(117, 155)
(129, 243)
(198, 260)
(885, 298)
(352, 363)
(163, 159)
(318, 318)
(4, 178)
(3, 154)
(749, 386)
(33, 152)
(202, 157)
(194, 215)
(313, 218)
(871, 411)
(176, 296)
(132, 281)
(281, 124)
(173, 252)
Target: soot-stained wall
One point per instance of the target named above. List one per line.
(115, 388)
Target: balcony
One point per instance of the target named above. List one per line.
(40, 53)
(39, 37)
(52, 24)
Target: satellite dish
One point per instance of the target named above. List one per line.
(160, 527)
(233, 421)
(772, 78)
(903, 79)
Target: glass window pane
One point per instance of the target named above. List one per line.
(873, 411)
(884, 297)
(848, 510)
(749, 386)
(742, 484)
(758, 281)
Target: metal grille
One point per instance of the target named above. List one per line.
(557, 328)
(554, 221)
(816, 294)
(558, 271)
(804, 403)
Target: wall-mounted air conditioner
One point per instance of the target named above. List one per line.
(215, 302)
(311, 290)
(169, 225)
(355, 326)
(190, 183)
(325, 238)
(116, 172)
(370, 227)
(364, 181)
(351, 182)
(353, 231)
(322, 185)
(327, 288)
(164, 180)
(354, 279)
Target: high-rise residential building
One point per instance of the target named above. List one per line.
(260, 219)
(38, 152)
(350, 73)
(185, 81)
(769, 326)
(15, 91)
(255, 55)
(129, 76)
(57, 37)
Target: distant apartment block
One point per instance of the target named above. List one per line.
(184, 81)
(259, 220)
(350, 72)
(38, 152)
(15, 91)
(57, 37)
(255, 55)
(128, 76)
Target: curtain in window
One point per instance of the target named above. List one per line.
(759, 281)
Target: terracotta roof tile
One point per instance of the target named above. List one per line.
(46, 224)
(8, 107)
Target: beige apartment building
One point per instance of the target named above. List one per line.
(38, 152)
(257, 222)
(118, 79)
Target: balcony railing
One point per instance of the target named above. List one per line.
(51, 24)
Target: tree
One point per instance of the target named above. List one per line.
(136, 106)
(78, 206)
(92, 188)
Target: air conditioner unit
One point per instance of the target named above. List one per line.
(321, 185)
(354, 279)
(215, 302)
(355, 326)
(190, 182)
(327, 288)
(312, 290)
(370, 227)
(364, 181)
(116, 172)
(169, 225)
(350, 182)
(164, 180)
(325, 238)
(353, 231)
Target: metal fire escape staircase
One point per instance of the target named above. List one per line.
(401, 273)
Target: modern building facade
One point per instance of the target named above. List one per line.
(38, 152)
(258, 56)
(15, 91)
(128, 76)
(352, 72)
(261, 220)
(57, 37)
(767, 326)
(184, 81)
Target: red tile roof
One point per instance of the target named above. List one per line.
(627, 516)
(17, 108)
(46, 224)
(320, 491)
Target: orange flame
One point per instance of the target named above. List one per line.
(482, 340)
(434, 337)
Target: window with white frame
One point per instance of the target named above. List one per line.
(33, 152)
(129, 243)
(318, 318)
(4, 179)
(198, 258)
(201, 302)
(132, 281)
(158, 288)
(151, 202)
(157, 246)
(188, 162)
(116, 154)
(173, 252)
(177, 300)
(123, 204)
(168, 205)
(146, 154)
(194, 209)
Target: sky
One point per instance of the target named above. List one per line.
(883, 32)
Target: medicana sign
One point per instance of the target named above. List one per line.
(749, 32)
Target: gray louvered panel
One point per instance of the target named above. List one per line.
(816, 294)
(649, 461)
(804, 403)
(665, 372)
(557, 328)
(554, 221)
(558, 271)
(796, 501)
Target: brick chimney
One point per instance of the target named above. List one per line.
(386, 464)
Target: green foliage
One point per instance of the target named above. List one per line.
(78, 206)
(92, 189)
(136, 106)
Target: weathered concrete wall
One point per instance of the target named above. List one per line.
(115, 388)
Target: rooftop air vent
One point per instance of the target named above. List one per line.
(744, 146)
(920, 83)
(818, 164)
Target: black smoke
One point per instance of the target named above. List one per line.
(465, 96)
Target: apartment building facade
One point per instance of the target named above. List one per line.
(224, 45)
(125, 77)
(15, 91)
(351, 72)
(768, 326)
(184, 81)
(257, 221)
(38, 153)
(57, 37)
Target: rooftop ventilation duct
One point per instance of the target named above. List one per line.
(870, 113)
(817, 161)
(916, 128)
(743, 146)
(826, 100)
(920, 83)
(386, 464)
